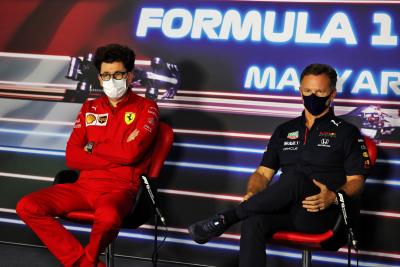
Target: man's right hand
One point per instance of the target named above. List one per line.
(258, 181)
(247, 196)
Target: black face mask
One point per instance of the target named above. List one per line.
(315, 104)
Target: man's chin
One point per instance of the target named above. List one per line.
(114, 99)
(117, 99)
(318, 115)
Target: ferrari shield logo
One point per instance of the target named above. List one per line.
(129, 117)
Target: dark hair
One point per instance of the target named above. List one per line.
(112, 53)
(318, 69)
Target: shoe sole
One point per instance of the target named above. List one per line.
(193, 236)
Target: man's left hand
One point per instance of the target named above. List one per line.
(320, 201)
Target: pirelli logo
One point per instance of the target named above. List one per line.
(92, 119)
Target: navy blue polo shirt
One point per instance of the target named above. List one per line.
(328, 152)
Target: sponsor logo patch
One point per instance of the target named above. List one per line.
(327, 134)
(151, 121)
(102, 119)
(291, 143)
(148, 128)
(293, 135)
(293, 148)
(367, 164)
(129, 117)
(324, 143)
(153, 111)
(336, 123)
(93, 119)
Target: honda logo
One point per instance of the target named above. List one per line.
(324, 141)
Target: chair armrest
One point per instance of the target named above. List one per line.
(65, 177)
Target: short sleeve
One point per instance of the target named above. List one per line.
(357, 161)
(271, 155)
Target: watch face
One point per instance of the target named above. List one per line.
(89, 146)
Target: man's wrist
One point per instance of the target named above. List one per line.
(336, 202)
(334, 197)
(89, 147)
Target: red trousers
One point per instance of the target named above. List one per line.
(110, 202)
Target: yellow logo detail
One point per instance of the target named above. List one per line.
(129, 117)
(90, 118)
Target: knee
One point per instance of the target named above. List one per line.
(109, 218)
(27, 206)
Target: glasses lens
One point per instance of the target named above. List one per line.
(105, 76)
(119, 75)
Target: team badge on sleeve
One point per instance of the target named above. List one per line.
(129, 117)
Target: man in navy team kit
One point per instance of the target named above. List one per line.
(318, 154)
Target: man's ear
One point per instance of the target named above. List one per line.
(333, 95)
(100, 80)
(130, 77)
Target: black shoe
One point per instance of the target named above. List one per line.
(201, 232)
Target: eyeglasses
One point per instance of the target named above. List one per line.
(118, 75)
(317, 92)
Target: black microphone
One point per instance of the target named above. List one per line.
(146, 183)
(341, 198)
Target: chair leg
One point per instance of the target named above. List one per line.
(110, 255)
(306, 258)
(155, 252)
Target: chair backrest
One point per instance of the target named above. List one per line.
(160, 149)
(372, 149)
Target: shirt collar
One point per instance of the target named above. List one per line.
(327, 117)
(127, 98)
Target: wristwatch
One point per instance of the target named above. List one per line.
(89, 147)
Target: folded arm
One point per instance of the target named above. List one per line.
(76, 156)
(128, 151)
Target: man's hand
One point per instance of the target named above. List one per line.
(89, 147)
(258, 181)
(247, 196)
(133, 135)
(321, 201)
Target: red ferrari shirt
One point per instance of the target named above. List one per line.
(122, 135)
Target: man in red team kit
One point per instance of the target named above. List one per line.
(108, 146)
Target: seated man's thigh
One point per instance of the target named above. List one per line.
(113, 206)
(314, 222)
(54, 201)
